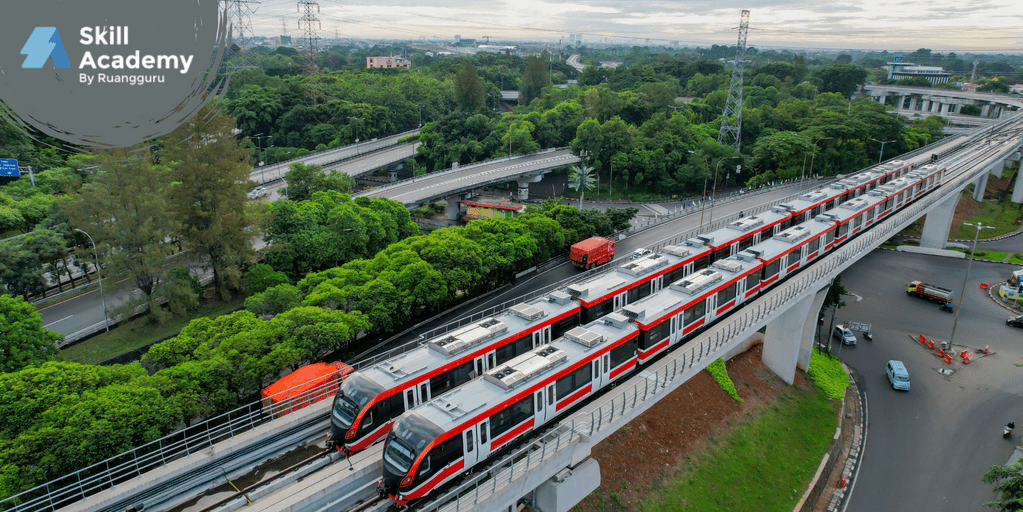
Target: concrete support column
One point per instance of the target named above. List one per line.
(981, 185)
(524, 185)
(985, 110)
(925, 106)
(938, 222)
(454, 206)
(899, 102)
(809, 329)
(959, 108)
(945, 109)
(784, 341)
(1017, 192)
(912, 101)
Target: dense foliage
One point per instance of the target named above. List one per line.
(718, 370)
(829, 374)
(23, 339)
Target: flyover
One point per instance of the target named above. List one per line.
(452, 184)
(942, 102)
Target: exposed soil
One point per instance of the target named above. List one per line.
(637, 458)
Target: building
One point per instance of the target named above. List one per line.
(1016, 89)
(897, 70)
(388, 62)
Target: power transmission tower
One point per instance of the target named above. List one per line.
(241, 25)
(311, 25)
(284, 26)
(731, 120)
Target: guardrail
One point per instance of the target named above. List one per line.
(686, 361)
(108, 473)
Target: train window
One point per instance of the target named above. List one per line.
(813, 245)
(658, 332)
(767, 233)
(367, 420)
(633, 293)
(596, 370)
(680, 272)
(410, 396)
(843, 229)
(547, 335)
(721, 254)
(726, 294)
(424, 466)
(642, 290)
(440, 383)
(770, 270)
(856, 221)
(607, 365)
(870, 214)
(623, 353)
(564, 325)
(792, 258)
(573, 381)
(468, 441)
(522, 410)
(752, 280)
(490, 360)
(831, 236)
(695, 312)
(424, 391)
(539, 401)
(447, 452)
(745, 243)
(483, 433)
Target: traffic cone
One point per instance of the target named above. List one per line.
(842, 483)
(986, 349)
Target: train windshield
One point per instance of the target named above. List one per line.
(355, 392)
(409, 436)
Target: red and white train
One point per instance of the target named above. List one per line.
(451, 434)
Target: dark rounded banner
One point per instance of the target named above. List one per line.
(109, 73)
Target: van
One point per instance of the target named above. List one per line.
(844, 335)
(897, 375)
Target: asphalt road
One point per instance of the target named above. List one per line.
(927, 449)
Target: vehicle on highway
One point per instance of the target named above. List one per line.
(1016, 321)
(897, 375)
(592, 252)
(930, 292)
(844, 335)
(257, 192)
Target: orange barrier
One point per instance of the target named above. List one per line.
(930, 343)
(948, 359)
(941, 352)
(983, 286)
(966, 358)
(923, 339)
(964, 353)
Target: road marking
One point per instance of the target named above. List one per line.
(61, 320)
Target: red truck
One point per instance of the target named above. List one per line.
(592, 252)
(930, 292)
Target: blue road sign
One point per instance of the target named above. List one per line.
(9, 167)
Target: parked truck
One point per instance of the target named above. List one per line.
(930, 292)
(592, 252)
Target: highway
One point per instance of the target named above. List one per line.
(927, 449)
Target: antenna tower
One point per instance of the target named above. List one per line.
(731, 120)
(284, 26)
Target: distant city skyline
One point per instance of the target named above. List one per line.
(941, 25)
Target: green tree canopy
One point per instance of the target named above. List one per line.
(23, 339)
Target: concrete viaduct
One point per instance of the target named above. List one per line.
(943, 102)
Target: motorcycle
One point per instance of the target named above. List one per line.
(1007, 431)
(947, 307)
(868, 336)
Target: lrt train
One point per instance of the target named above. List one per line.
(450, 435)
(368, 400)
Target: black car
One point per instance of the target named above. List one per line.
(1015, 322)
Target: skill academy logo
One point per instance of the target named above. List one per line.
(43, 44)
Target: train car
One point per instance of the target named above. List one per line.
(744, 232)
(688, 305)
(637, 279)
(794, 248)
(368, 400)
(449, 435)
(927, 177)
(856, 215)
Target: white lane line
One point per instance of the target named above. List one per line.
(61, 320)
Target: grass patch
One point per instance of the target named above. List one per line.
(763, 465)
(138, 333)
(1000, 215)
(829, 375)
(720, 373)
(983, 255)
(1017, 257)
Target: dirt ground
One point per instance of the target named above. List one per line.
(637, 458)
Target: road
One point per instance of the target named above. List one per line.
(927, 449)
(277, 170)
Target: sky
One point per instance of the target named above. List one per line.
(941, 25)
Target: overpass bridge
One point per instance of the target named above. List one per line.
(927, 101)
(787, 311)
(454, 184)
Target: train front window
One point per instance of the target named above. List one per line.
(409, 437)
(355, 392)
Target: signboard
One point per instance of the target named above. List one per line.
(9, 167)
(858, 326)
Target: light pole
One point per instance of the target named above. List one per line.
(955, 320)
(279, 173)
(706, 174)
(106, 321)
(357, 119)
(714, 191)
(813, 157)
(883, 142)
(420, 105)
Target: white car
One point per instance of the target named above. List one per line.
(257, 192)
(639, 253)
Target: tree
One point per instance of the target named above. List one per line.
(842, 78)
(534, 78)
(261, 277)
(20, 269)
(1008, 482)
(125, 210)
(23, 339)
(582, 178)
(304, 180)
(208, 202)
(469, 87)
(995, 86)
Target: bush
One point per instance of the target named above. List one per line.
(720, 373)
(829, 375)
(261, 277)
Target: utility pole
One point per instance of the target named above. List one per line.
(731, 121)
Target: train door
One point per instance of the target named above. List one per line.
(542, 337)
(740, 292)
(621, 300)
(656, 284)
(676, 329)
(416, 395)
(470, 446)
(544, 404)
(482, 363)
(712, 305)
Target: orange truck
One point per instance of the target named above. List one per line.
(592, 252)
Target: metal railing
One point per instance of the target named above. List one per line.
(108, 473)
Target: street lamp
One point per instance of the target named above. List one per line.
(955, 321)
(714, 191)
(357, 119)
(99, 272)
(279, 172)
(883, 142)
(420, 105)
(814, 157)
(706, 174)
